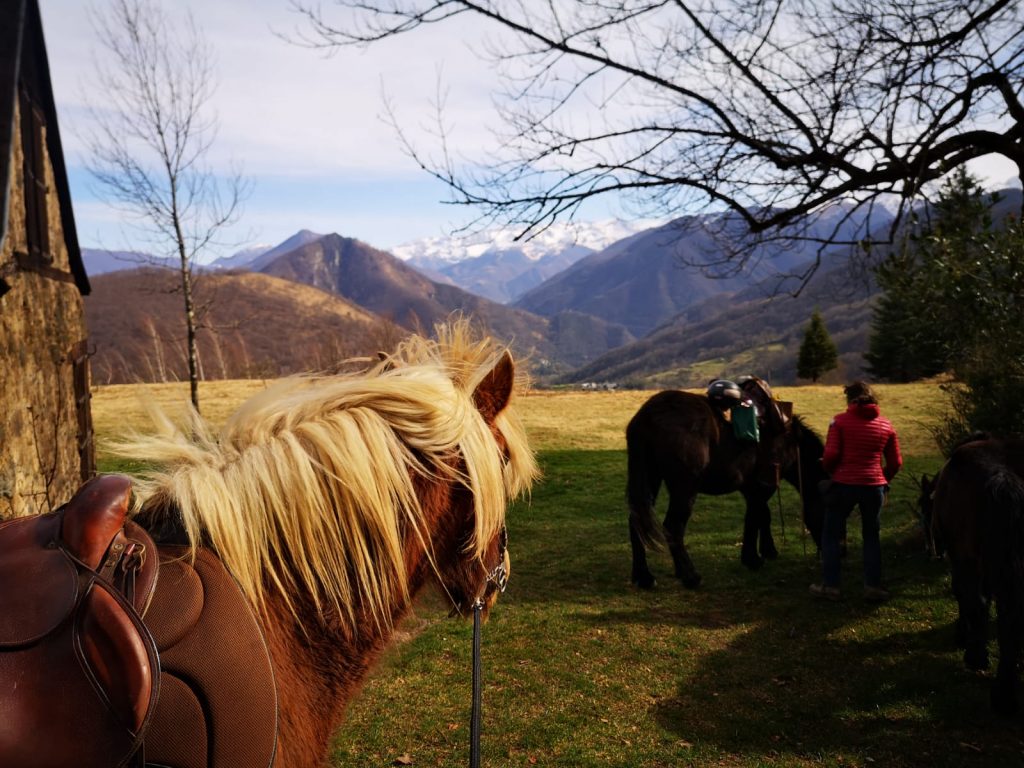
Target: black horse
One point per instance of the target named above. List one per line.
(974, 511)
(682, 440)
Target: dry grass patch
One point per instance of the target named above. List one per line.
(121, 408)
(554, 419)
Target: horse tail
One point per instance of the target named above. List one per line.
(642, 482)
(1004, 495)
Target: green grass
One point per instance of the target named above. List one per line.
(583, 670)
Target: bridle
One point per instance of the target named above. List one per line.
(498, 577)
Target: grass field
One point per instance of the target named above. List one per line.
(583, 670)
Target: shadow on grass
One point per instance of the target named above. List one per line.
(899, 698)
(764, 673)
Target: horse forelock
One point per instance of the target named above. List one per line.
(309, 487)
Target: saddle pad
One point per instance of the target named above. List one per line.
(218, 701)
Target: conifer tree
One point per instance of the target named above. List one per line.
(930, 310)
(952, 302)
(818, 353)
(903, 345)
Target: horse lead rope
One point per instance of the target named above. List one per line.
(800, 490)
(474, 720)
(778, 495)
(499, 578)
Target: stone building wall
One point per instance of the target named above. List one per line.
(41, 322)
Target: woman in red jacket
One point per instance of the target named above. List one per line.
(857, 442)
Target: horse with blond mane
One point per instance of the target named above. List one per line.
(332, 501)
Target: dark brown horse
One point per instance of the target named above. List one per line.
(680, 439)
(974, 511)
(332, 502)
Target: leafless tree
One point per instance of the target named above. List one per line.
(154, 132)
(769, 110)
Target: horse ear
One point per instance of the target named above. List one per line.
(493, 393)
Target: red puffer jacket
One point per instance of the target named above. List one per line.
(857, 441)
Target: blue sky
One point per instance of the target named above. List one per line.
(306, 128)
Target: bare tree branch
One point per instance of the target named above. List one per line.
(153, 135)
(771, 110)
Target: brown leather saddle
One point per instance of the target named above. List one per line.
(114, 652)
(773, 415)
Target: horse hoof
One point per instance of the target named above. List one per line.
(753, 562)
(976, 660)
(770, 554)
(691, 581)
(644, 581)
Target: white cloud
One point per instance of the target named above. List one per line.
(284, 108)
(287, 111)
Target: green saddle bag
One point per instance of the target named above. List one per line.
(744, 422)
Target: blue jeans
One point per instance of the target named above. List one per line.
(840, 500)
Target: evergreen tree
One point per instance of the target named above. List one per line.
(925, 319)
(984, 303)
(954, 301)
(903, 345)
(818, 353)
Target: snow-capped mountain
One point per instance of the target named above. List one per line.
(495, 265)
(561, 236)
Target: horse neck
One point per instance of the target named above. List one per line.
(319, 666)
(805, 471)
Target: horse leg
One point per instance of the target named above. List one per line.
(766, 542)
(642, 575)
(642, 486)
(972, 622)
(1008, 630)
(748, 552)
(680, 507)
(757, 526)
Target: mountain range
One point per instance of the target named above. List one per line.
(628, 312)
(349, 299)
(496, 264)
(751, 331)
(602, 302)
(642, 281)
(758, 329)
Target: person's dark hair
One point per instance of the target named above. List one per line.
(860, 392)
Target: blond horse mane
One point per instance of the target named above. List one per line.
(308, 487)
